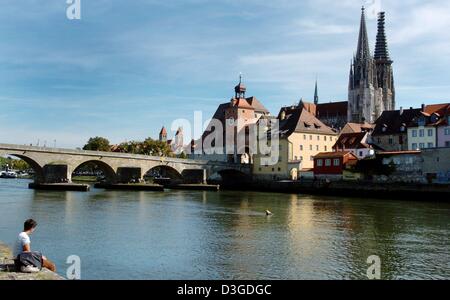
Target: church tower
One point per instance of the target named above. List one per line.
(385, 75)
(361, 96)
(371, 80)
(316, 95)
(163, 135)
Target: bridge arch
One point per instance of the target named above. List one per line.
(37, 168)
(232, 178)
(164, 171)
(109, 173)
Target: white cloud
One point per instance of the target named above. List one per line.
(314, 27)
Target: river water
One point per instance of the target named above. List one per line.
(226, 235)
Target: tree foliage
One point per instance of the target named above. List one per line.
(98, 144)
(147, 147)
(15, 164)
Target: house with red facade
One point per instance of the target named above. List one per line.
(331, 165)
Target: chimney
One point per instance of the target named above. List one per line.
(401, 111)
(423, 107)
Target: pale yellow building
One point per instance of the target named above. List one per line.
(302, 136)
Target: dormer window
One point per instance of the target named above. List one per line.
(434, 118)
(403, 128)
(422, 121)
(384, 129)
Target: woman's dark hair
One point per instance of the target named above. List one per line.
(29, 224)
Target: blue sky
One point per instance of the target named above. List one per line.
(129, 67)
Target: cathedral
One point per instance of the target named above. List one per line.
(371, 85)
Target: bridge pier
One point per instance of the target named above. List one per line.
(57, 174)
(194, 176)
(128, 175)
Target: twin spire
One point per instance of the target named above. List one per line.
(363, 51)
(381, 47)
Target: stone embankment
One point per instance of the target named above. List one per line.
(8, 272)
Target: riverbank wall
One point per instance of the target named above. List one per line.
(413, 192)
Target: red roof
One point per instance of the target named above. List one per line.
(398, 152)
(441, 109)
(334, 154)
(351, 141)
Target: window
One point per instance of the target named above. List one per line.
(391, 141)
(301, 147)
(430, 145)
(430, 132)
(304, 137)
(414, 133)
(320, 162)
(447, 144)
(301, 158)
(361, 153)
(422, 132)
(318, 137)
(310, 137)
(317, 148)
(422, 121)
(379, 141)
(336, 162)
(447, 131)
(414, 146)
(422, 145)
(279, 169)
(327, 162)
(310, 147)
(325, 148)
(325, 138)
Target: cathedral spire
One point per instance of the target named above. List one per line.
(316, 95)
(352, 79)
(381, 47)
(363, 51)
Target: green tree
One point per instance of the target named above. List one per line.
(156, 148)
(15, 164)
(98, 144)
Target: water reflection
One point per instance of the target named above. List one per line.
(226, 235)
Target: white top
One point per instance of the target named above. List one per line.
(22, 240)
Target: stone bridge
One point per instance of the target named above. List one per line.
(53, 165)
